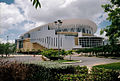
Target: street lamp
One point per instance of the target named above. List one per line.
(7, 38)
(58, 23)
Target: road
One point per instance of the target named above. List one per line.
(24, 58)
(85, 61)
(91, 61)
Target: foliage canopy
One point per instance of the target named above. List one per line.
(36, 3)
(113, 30)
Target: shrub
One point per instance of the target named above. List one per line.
(53, 71)
(80, 74)
(13, 71)
(46, 71)
(72, 77)
(101, 74)
(51, 54)
(81, 70)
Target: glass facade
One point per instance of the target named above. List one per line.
(90, 41)
(83, 30)
(20, 44)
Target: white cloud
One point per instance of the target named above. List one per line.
(29, 26)
(3, 38)
(10, 41)
(98, 18)
(60, 9)
(9, 15)
(39, 24)
(98, 34)
(51, 10)
(66, 3)
(0, 40)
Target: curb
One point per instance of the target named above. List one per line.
(72, 62)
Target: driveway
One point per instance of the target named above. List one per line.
(24, 58)
(91, 61)
(85, 61)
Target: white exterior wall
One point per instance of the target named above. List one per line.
(79, 34)
(65, 42)
(68, 43)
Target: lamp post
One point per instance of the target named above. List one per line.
(58, 23)
(7, 38)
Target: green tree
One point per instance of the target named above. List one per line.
(70, 52)
(7, 48)
(2, 46)
(36, 3)
(28, 50)
(113, 30)
(12, 48)
(49, 53)
(63, 52)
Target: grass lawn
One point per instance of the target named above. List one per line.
(114, 66)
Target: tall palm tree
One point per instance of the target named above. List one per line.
(36, 3)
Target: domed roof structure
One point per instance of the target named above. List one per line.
(68, 23)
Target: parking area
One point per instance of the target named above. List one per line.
(85, 61)
(91, 61)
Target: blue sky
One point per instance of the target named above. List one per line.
(7, 1)
(19, 16)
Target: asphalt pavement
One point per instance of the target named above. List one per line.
(85, 61)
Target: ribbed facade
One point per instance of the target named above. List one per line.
(73, 33)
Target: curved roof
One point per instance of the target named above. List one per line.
(70, 22)
(77, 22)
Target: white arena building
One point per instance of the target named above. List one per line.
(68, 34)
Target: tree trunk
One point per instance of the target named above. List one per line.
(2, 55)
(6, 55)
(70, 57)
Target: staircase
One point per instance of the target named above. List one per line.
(37, 46)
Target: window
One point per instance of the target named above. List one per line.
(28, 35)
(61, 42)
(72, 29)
(56, 41)
(20, 44)
(45, 40)
(87, 31)
(65, 30)
(83, 30)
(51, 41)
(78, 29)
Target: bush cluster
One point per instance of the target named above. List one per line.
(101, 74)
(13, 71)
(10, 71)
(107, 50)
(53, 54)
(96, 74)
(7, 49)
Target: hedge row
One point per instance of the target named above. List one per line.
(10, 71)
(96, 74)
(107, 50)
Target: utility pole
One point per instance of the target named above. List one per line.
(7, 38)
(58, 23)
